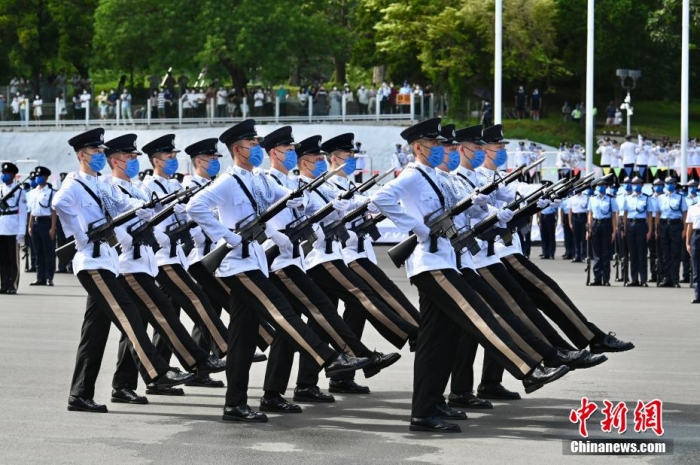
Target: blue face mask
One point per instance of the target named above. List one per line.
(132, 168)
(256, 156)
(479, 158)
(171, 166)
(613, 192)
(290, 159)
(628, 187)
(670, 187)
(97, 162)
(437, 155)
(33, 183)
(6, 178)
(693, 190)
(350, 165)
(638, 188)
(589, 191)
(214, 167)
(601, 190)
(320, 168)
(453, 162)
(501, 157)
(658, 189)
(40, 180)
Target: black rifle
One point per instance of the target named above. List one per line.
(589, 254)
(300, 231)
(103, 230)
(142, 233)
(254, 229)
(441, 221)
(367, 227)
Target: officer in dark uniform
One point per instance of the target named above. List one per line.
(657, 188)
(42, 227)
(602, 224)
(13, 225)
(670, 221)
(547, 221)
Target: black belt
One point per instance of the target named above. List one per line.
(42, 218)
(633, 221)
(12, 212)
(547, 214)
(669, 221)
(602, 220)
(579, 214)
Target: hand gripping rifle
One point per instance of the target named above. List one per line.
(254, 229)
(301, 231)
(142, 233)
(367, 226)
(441, 221)
(103, 230)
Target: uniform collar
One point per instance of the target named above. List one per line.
(235, 169)
(200, 179)
(340, 180)
(87, 177)
(159, 178)
(120, 182)
(465, 171)
(278, 174)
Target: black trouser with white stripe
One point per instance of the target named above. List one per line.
(308, 299)
(108, 302)
(448, 304)
(9, 263)
(521, 303)
(552, 300)
(157, 310)
(189, 296)
(340, 282)
(492, 372)
(254, 296)
(45, 249)
(220, 296)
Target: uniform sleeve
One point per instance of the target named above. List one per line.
(387, 201)
(200, 206)
(64, 203)
(22, 207)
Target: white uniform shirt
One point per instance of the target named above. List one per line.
(693, 216)
(604, 151)
(282, 220)
(628, 151)
(77, 209)
(642, 157)
(418, 199)
(39, 201)
(162, 187)
(192, 182)
(615, 157)
(234, 206)
(13, 224)
(342, 184)
(147, 263)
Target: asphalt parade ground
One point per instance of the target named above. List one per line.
(39, 332)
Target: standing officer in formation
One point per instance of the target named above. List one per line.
(547, 221)
(638, 209)
(602, 224)
(13, 224)
(657, 189)
(692, 244)
(670, 221)
(42, 227)
(84, 199)
(578, 215)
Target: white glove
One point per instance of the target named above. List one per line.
(542, 203)
(145, 213)
(422, 232)
(295, 202)
(504, 216)
(372, 208)
(341, 205)
(20, 238)
(282, 241)
(556, 203)
(480, 200)
(233, 239)
(162, 238)
(180, 208)
(352, 241)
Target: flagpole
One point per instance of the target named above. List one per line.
(497, 70)
(685, 41)
(590, 122)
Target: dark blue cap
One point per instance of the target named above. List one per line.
(494, 135)
(164, 144)
(92, 138)
(309, 146)
(243, 130)
(470, 134)
(204, 147)
(122, 144)
(42, 171)
(428, 129)
(342, 142)
(448, 132)
(281, 136)
(8, 167)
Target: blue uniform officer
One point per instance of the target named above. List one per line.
(602, 224)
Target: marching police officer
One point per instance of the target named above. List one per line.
(42, 227)
(670, 220)
(13, 224)
(602, 224)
